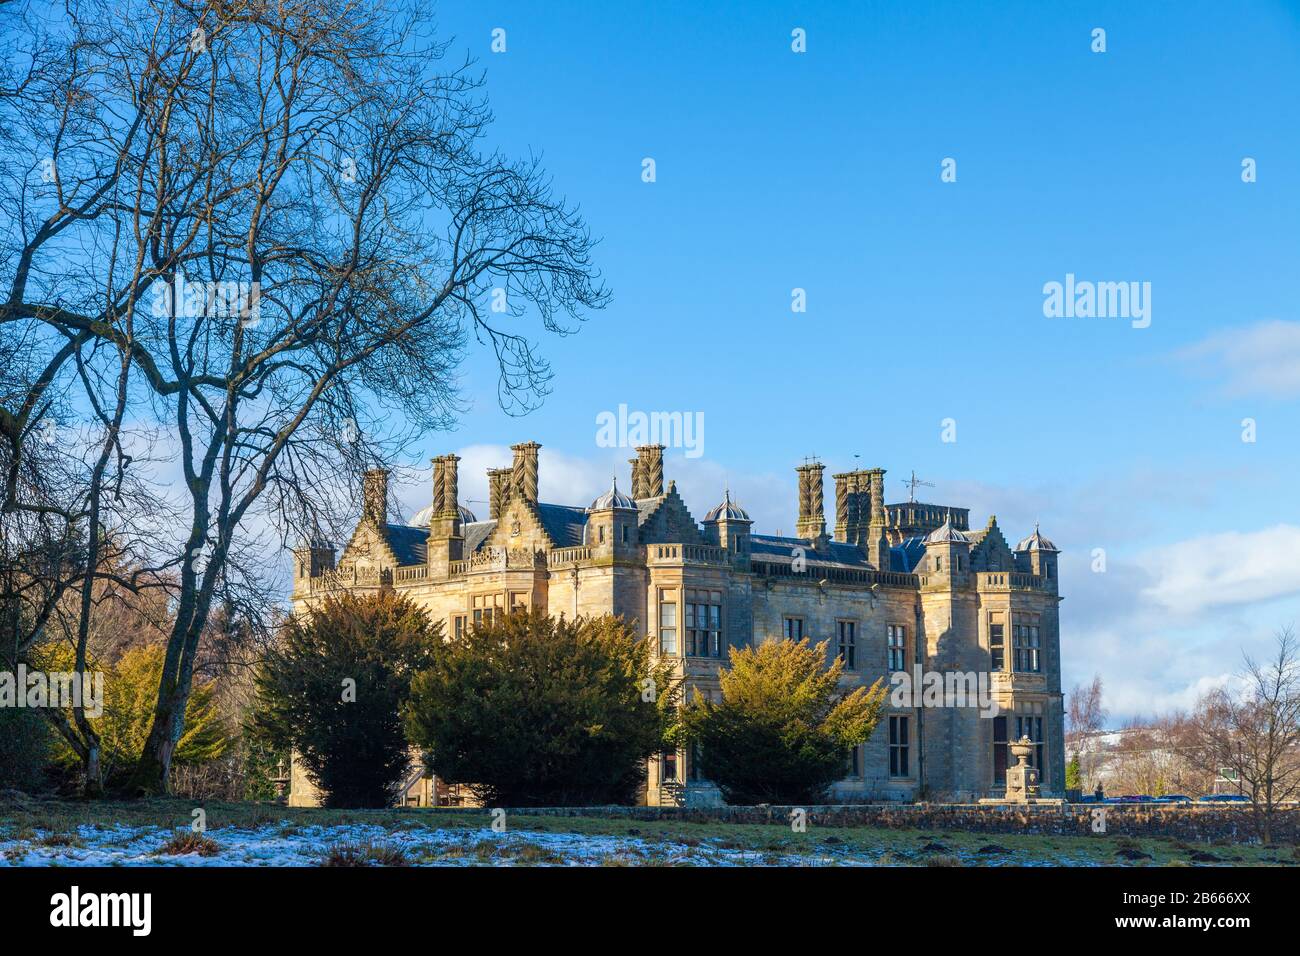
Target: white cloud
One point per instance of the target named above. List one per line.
(1231, 568)
(1260, 359)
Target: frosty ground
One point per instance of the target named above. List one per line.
(38, 832)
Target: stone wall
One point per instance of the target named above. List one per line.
(1195, 823)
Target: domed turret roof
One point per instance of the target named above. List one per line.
(946, 532)
(422, 517)
(728, 510)
(613, 499)
(1036, 542)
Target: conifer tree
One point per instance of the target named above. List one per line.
(333, 691)
(783, 727)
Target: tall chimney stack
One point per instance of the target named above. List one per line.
(445, 541)
(374, 496)
(523, 479)
(439, 487)
(847, 506)
(498, 490)
(652, 470)
(638, 483)
(450, 485)
(877, 543)
(812, 519)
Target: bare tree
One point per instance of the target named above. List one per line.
(272, 229)
(1085, 717)
(1256, 733)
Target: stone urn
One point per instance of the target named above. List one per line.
(1022, 779)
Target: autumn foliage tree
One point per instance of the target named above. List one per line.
(783, 727)
(534, 711)
(130, 687)
(333, 690)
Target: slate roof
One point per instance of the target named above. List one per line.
(409, 544)
(906, 556)
(564, 523)
(779, 550)
(476, 533)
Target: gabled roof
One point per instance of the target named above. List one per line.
(666, 518)
(646, 507)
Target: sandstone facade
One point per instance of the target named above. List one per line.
(904, 587)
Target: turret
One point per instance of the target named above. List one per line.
(947, 556)
(311, 559)
(1037, 555)
(728, 526)
(612, 523)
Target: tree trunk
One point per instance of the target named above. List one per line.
(94, 785)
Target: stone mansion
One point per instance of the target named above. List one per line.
(892, 587)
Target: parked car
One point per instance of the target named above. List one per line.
(1223, 798)
(1135, 798)
(1174, 798)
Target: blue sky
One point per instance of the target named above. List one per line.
(821, 171)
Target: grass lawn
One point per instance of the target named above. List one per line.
(32, 829)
